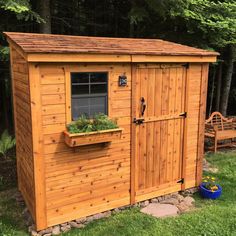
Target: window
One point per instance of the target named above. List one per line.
(88, 93)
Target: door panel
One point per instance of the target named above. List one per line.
(159, 137)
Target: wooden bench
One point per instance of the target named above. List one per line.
(219, 128)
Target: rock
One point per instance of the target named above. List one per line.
(160, 210)
(65, 228)
(167, 196)
(180, 198)
(116, 210)
(172, 201)
(154, 200)
(34, 233)
(81, 220)
(74, 224)
(124, 207)
(188, 201)
(175, 195)
(56, 230)
(106, 213)
(160, 198)
(190, 191)
(31, 228)
(45, 231)
(213, 170)
(144, 203)
(64, 224)
(98, 216)
(88, 219)
(183, 207)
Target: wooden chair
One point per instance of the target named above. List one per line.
(218, 127)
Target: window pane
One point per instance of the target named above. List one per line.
(89, 93)
(88, 106)
(80, 106)
(97, 109)
(80, 77)
(80, 89)
(98, 105)
(98, 77)
(98, 88)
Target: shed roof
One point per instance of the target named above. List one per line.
(49, 43)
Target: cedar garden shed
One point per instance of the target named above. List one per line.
(155, 89)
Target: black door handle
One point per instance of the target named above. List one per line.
(143, 106)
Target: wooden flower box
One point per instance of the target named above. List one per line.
(81, 139)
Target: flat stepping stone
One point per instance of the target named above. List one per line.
(160, 210)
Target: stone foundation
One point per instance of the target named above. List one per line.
(183, 201)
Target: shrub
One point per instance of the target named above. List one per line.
(83, 124)
(7, 142)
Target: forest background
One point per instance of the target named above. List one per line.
(208, 24)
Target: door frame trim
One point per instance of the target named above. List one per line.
(185, 124)
(133, 171)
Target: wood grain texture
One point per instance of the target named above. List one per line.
(145, 162)
(202, 118)
(159, 139)
(45, 43)
(23, 129)
(37, 140)
(95, 176)
(192, 123)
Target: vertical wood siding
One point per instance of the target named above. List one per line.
(194, 100)
(23, 129)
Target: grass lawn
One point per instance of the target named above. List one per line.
(210, 217)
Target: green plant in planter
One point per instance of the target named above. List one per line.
(84, 124)
(210, 183)
(7, 142)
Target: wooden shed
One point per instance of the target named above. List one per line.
(160, 150)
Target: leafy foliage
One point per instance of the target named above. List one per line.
(84, 125)
(22, 9)
(4, 52)
(215, 21)
(6, 143)
(210, 183)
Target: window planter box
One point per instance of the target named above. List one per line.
(82, 139)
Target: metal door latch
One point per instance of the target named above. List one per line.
(138, 121)
(181, 181)
(184, 114)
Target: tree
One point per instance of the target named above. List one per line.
(45, 13)
(215, 21)
(16, 15)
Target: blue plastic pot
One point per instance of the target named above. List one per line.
(205, 193)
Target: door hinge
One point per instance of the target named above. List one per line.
(184, 114)
(181, 181)
(138, 121)
(186, 65)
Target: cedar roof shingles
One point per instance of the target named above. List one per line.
(49, 43)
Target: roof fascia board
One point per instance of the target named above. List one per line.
(77, 57)
(82, 57)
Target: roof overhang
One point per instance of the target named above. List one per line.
(99, 57)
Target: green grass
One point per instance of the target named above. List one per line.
(210, 217)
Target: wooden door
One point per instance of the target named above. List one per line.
(158, 133)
